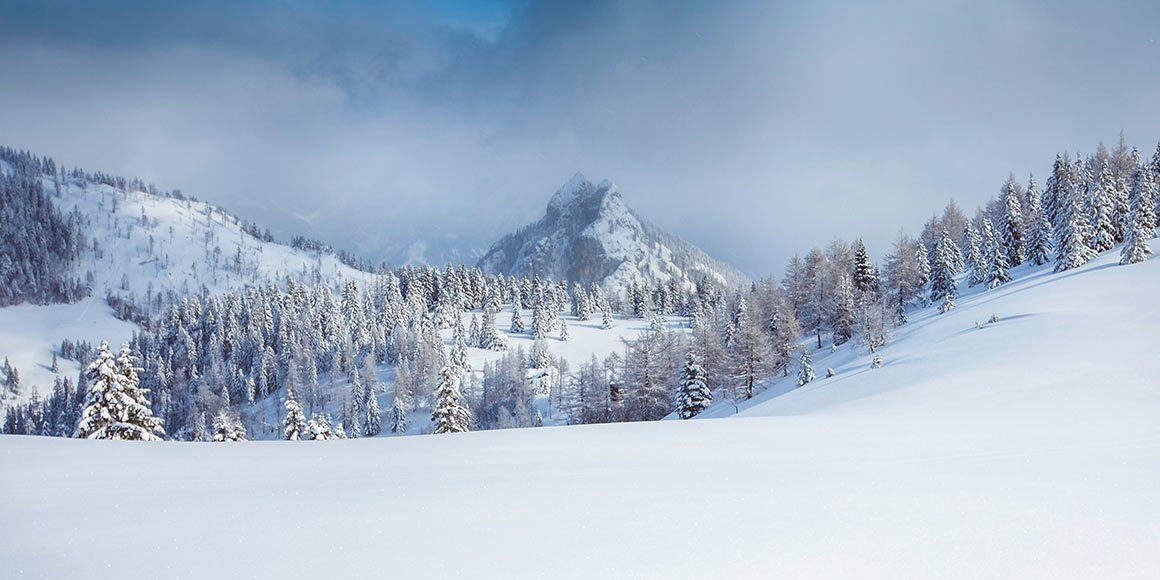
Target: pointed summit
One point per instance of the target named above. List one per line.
(589, 235)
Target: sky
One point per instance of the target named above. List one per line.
(753, 129)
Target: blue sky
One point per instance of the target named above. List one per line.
(754, 129)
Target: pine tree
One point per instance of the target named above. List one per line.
(473, 335)
(1057, 184)
(606, 321)
(1155, 170)
(449, 415)
(294, 425)
(489, 336)
(997, 266)
(539, 319)
(372, 419)
(353, 412)
(975, 259)
(1012, 234)
(563, 331)
(948, 301)
(806, 373)
(319, 428)
(398, 416)
(1143, 217)
(1039, 232)
(693, 394)
(1102, 210)
(459, 354)
(517, 326)
(842, 325)
(922, 262)
(228, 426)
(942, 272)
(200, 428)
(865, 277)
(1071, 248)
(115, 406)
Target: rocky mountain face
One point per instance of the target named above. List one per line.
(589, 235)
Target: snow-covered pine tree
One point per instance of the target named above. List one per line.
(563, 331)
(842, 324)
(693, 394)
(294, 424)
(200, 428)
(942, 271)
(398, 416)
(948, 301)
(975, 259)
(489, 336)
(922, 263)
(355, 401)
(1012, 234)
(319, 428)
(458, 356)
(1119, 191)
(539, 319)
(450, 414)
(1039, 228)
(1154, 168)
(1142, 223)
(1071, 247)
(606, 320)
(473, 333)
(997, 267)
(1055, 189)
(865, 276)
(115, 406)
(228, 426)
(517, 326)
(806, 372)
(638, 299)
(372, 415)
(1102, 210)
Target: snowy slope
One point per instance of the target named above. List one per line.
(143, 246)
(589, 235)
(29, 334)
(152, 242)
(1027, 449)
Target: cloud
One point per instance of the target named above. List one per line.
(754, 129)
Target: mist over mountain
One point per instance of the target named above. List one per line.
(590, 235)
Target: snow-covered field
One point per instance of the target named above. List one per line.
(1029, 448)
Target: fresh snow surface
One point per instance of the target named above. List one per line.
(1029, 448)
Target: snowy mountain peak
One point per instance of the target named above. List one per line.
(589, 234)
(573, 190)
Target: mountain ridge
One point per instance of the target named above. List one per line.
(588, 234)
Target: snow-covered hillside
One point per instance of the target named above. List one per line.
(1028, 448)
(589, 235)
(150, 250)
(144, 243)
